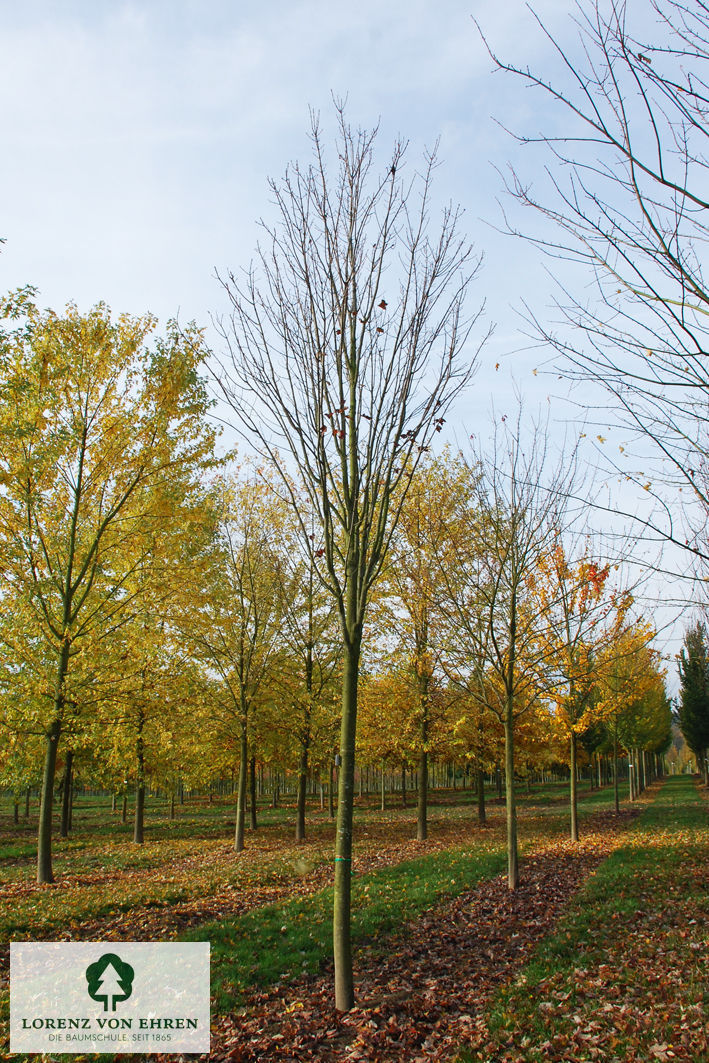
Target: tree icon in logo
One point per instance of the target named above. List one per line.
(110, 980)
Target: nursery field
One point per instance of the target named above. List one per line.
(600, 954)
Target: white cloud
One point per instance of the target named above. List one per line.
(137, 137)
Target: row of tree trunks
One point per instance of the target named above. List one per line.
(642, 768)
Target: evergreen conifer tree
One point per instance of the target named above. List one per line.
(694, 694)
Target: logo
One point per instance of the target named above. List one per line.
(110, 980)
(76, 997)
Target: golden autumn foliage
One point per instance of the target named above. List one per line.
(96, 427)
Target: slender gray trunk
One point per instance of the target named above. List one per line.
(241, 790)
(252, 792)
(342, 946)
(66, 794)
(573, 797)
(481, 796)
(510, 805)
(616, 781)
(422, 802)
(139, 817)
(302, 786)
(44, 832)
(44, 837)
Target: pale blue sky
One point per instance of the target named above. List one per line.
(138, 138)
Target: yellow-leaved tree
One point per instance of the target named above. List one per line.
(94, 424)
(407, 605)
(585, 616)
(234, 633)
(632, 697)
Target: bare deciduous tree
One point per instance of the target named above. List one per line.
(496, 650)
(626, 195)
(345, 347)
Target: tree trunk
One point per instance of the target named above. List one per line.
(481, 796)
(44, 832)
(331, 792)
(139, 818)
(510, 807)
(124, 810)
(403, 785)
(66, 794)
(44, 836)
(306, 738)
(383, 802)
(241, 791)
(15, 811)
(422, 802)
(172, 804)
(616, 781)
(27, 802)
(342, 946)
(302, 784)
(252, 792)
(573, 799)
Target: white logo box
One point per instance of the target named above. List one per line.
(109, 996)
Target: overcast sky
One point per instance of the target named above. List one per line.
(138, 139)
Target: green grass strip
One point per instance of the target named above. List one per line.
(281, 941)
(623, 968)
